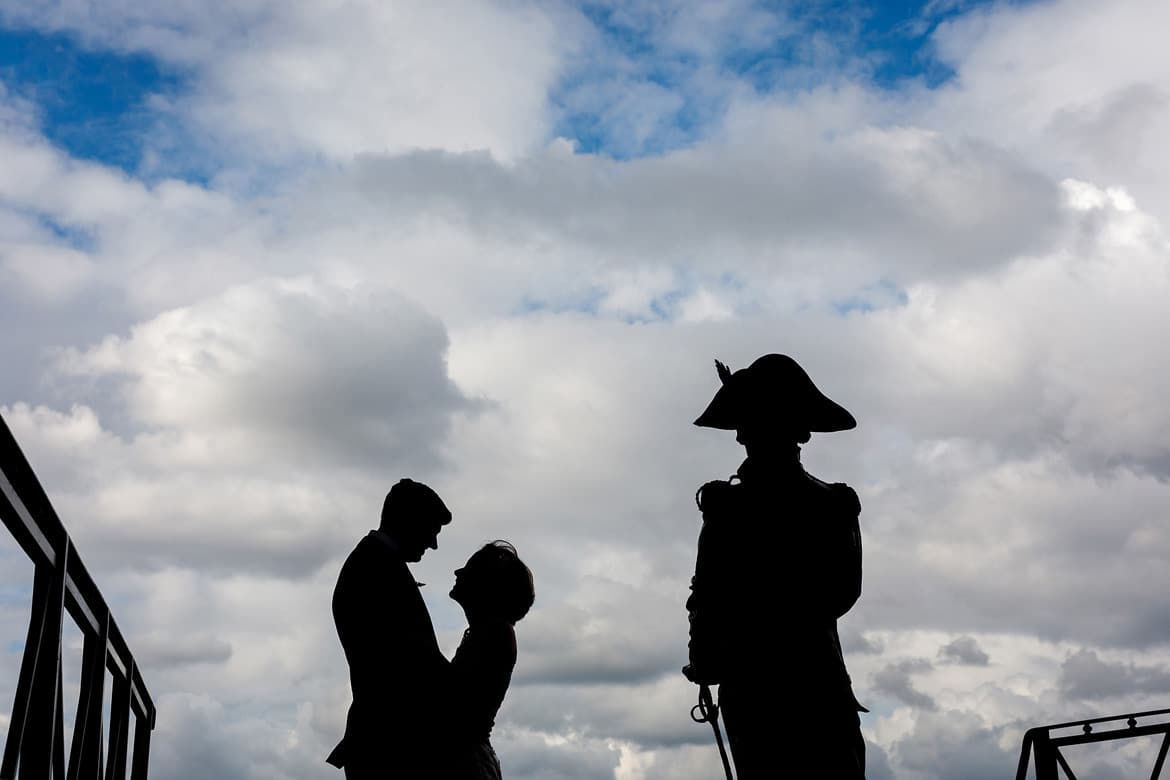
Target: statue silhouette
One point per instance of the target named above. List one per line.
(398, 676)
(779, 561)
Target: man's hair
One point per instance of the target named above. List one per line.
(512, 591)
(408, 499)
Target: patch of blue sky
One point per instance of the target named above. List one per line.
(665, 307)
(732, 281)
(887, 43)
(587, 302)
(16, 593)
(74, 236)
(883, 294)
(618, 28)
(899, 42)
(96, 105)
(598, 96)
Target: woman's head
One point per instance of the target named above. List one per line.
(495, 583)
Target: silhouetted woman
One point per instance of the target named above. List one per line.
(495, 590)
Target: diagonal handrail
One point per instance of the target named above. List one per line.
(1044, 748)
(35, 746)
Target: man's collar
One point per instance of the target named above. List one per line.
(388, 540)
(760, 472)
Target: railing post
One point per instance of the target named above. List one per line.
(1161, 760)
(85, 755)
(40, 732)
(119, 726)
(59, 724)
(42, 582)
(141, 749)
(1045, 754)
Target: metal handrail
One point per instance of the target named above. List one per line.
(1040, 744)
(61, 583)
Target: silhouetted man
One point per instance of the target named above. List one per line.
(779, 561)
(396, 669)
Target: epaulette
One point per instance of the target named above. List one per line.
(846, 498)
(714, 496)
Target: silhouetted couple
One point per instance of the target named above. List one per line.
(414, 714)
(779, 561)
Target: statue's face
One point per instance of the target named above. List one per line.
(768, 435)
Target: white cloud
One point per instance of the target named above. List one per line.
(1075, 87)
(278, 79)
(316, 367)
(44, 271)
(218, 385)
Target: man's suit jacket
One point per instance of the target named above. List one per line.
(396, 669)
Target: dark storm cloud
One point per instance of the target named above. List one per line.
(877, 763)
(189, 744)
(651, 715)
(157, 651)
(314, 373)
(953, 745)
(1085, 677)
(640, 642)
(964, 650)
(529, 756)
(236, 400)
(920, 199)
(855, 641)
(895, 681)
(217, 551)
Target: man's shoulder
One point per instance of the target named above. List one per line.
(371, 553)
(838, 494)
(718, 497)
(366, 546)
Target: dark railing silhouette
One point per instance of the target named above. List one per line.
(1044, 746)
(36, 739)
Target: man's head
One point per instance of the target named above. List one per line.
(412, 516)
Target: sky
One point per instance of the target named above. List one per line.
(261, 259)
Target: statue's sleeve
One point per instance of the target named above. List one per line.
(843, 552)
(706, 606)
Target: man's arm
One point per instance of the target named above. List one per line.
(706, 606)
(831, 546)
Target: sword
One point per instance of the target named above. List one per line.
(707, 711)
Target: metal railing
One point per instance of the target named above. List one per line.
(36, 737)
(1044, 746)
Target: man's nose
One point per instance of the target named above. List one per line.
(434, 545)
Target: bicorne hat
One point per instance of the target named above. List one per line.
(775, 387)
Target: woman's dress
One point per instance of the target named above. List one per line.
(480, 673)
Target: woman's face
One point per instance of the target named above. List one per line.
(469, 578)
